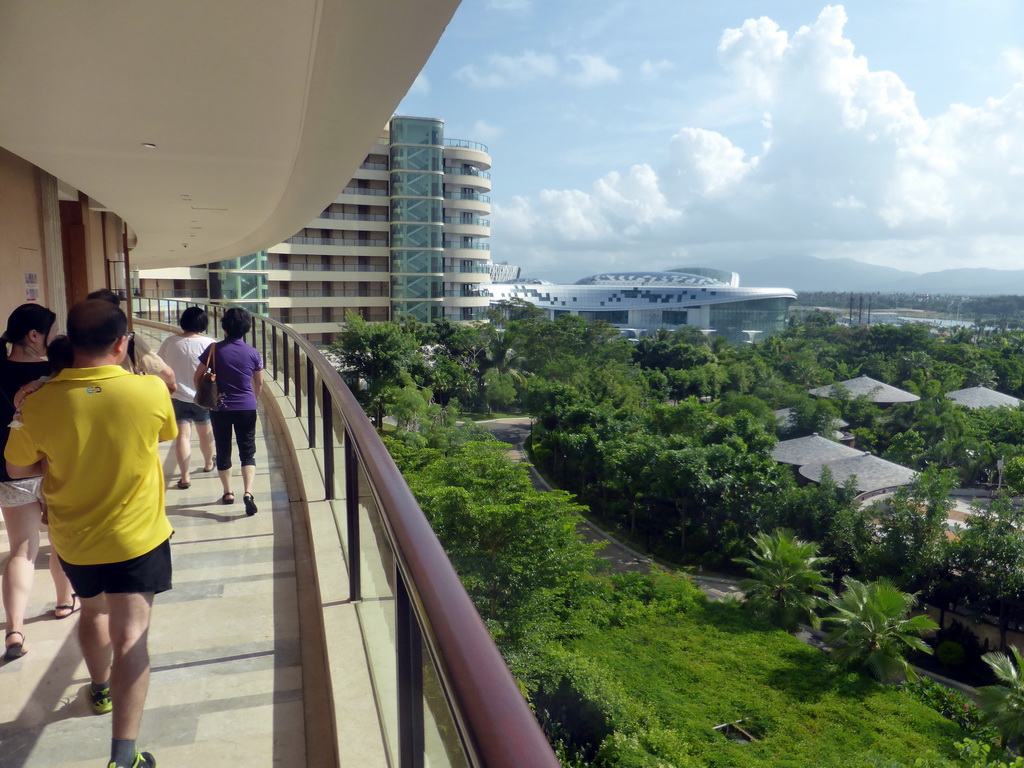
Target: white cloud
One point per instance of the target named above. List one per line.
(846, 161)
(1013, 62)
(653, 70)
(592, 70)
(507, 71)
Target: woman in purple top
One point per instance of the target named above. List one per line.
(239, 371)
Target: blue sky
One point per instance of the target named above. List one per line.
(667, 133)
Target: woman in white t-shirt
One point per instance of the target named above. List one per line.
(181, 353)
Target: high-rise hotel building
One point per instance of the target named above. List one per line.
(406, 237)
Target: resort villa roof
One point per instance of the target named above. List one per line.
(879, 392)
(982, 397)
(811, 449)
(872, 473)
(784, 418)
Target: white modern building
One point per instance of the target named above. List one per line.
(405, 237)
(640, 302)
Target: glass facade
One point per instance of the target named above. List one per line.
(674, 316)
(417, 217)
(766, 315)
(241, 282)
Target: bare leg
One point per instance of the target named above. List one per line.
(94, 637)
(206, 443)
(248, 478)
(129, 679)
(23, 534)
(225, 479)
(183, 448)
(60, 580)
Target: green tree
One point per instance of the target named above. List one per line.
(786, 585)
(373, 357)
(873, 628)
(1002, 705)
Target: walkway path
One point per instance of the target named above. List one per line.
(622, 557)
(227, 683)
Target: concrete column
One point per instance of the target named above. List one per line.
(56, 295)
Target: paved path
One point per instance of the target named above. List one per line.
(622, 557)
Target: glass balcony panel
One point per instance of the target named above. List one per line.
(441, 743)
(377, 612)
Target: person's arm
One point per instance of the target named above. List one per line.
(257, 383)
(16, 471)
(167, 374)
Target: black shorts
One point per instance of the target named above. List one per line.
(150, 572)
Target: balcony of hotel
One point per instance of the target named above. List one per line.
(329, 629)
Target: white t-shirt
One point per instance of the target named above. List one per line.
(182, 355)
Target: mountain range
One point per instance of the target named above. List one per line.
(809, 273)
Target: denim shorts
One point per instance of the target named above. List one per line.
(150, 572)
(190, 412)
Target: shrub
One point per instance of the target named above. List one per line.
(950, 653)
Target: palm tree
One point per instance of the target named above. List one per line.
(873, 628)
(786, 585)
(1003, 705)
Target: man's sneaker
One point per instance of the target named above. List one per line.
(144, 760)
(101, 703)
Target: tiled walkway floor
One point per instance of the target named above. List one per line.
(226, 687)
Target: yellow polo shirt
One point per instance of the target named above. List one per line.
(99, 429)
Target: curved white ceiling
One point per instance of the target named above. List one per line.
(259, 110)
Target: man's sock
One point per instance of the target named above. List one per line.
(122, 752)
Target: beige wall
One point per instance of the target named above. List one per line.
(21, 239)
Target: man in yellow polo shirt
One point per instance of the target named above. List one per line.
(97, 427)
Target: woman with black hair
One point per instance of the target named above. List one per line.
(181, 352)
(239, 371)
(30, 328)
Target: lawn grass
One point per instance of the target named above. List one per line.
(714, 664)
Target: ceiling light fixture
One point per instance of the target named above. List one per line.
(148, 145)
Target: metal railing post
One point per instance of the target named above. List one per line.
(409, 651)
(327, 404)
(284, 354)
(298, 381)
(273, 348)
(311, 403)
(355, 586)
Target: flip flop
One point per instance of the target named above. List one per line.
(76, 603)
(207, 469)
(15, 650)
(183, 485)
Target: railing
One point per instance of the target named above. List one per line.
(374, 166)
(467, 196)
(462, 144)
(474, 222)
(309, 293)
(382, 243)
(177, 293)
(458, 170)
(376, 191)
(455, 702)
(473, 270)
(467, 246)
(353, 216)
(328, 267)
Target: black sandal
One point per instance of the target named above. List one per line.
(14, 650)
(250, 505)
(76, 603)
(227, 498)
